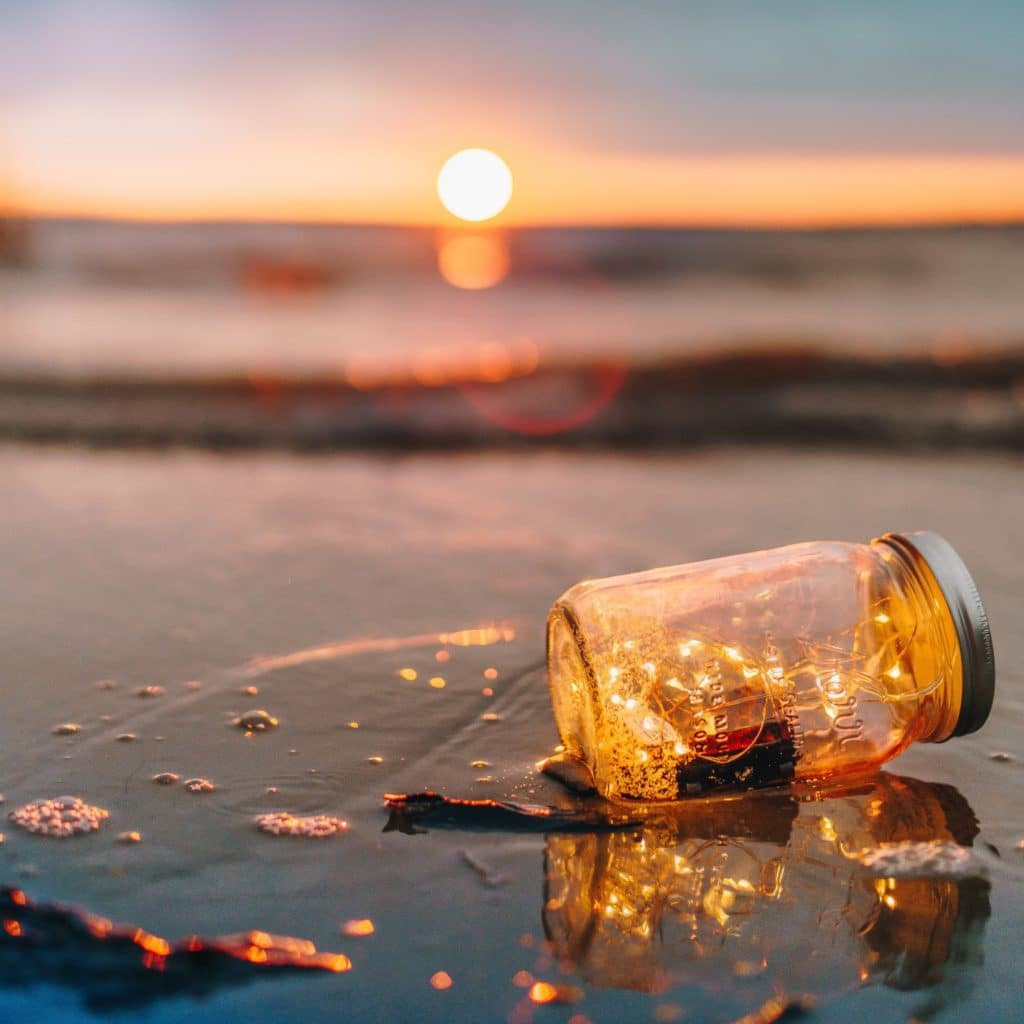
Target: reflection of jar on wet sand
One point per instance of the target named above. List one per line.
(800, 662)
(769, 884)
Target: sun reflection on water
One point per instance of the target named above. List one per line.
(473, 262)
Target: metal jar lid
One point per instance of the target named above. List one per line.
(969, 619)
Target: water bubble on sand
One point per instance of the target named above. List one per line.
(106, 684)
(487, 778)
(2, 839)
(129, 837)
(937, 858)
(66, 729)
(490, 673)
(59, 816)
(106, 718)
(749, 968)
(166, 778)
(126, 737)
(376, 759)
(669, 1013)
(490, 716)
(353, 725)
(310, 826)
(270, 790)
(193, 684)
(441, 980)
(149, 691)
(358, 928)
(199, 785)
(1001, 755)
(250, 691)
(487, 691)
(257, 720)
(480, 764)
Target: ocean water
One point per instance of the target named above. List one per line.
(108, 299)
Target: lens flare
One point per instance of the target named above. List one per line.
(475, 184)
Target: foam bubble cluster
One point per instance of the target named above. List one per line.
(256, 721)
(149, 691)
(59, 817)
(66, 729)
(167, 778)
(938, 858)
(199, 786)
(311, 826)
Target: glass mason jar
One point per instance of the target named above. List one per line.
(798, 662)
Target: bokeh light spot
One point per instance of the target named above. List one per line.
(473, 262)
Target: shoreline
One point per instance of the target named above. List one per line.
(798, 395)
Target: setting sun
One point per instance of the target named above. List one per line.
(475, 184)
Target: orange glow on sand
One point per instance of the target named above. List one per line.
(443, 366)
(358, 928)
(152, 943)
(473, 262)
(479, 636)
(543, 992)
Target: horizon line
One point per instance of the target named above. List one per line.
(497, 226)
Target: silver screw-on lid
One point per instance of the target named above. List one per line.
(969, 619)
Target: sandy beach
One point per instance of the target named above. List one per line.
(316, 580)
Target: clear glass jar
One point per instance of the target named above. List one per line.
(798, 662)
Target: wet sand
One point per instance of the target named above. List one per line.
(316, 580)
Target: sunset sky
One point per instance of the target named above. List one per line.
(663, 113)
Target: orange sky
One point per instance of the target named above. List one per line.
(558, 188)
